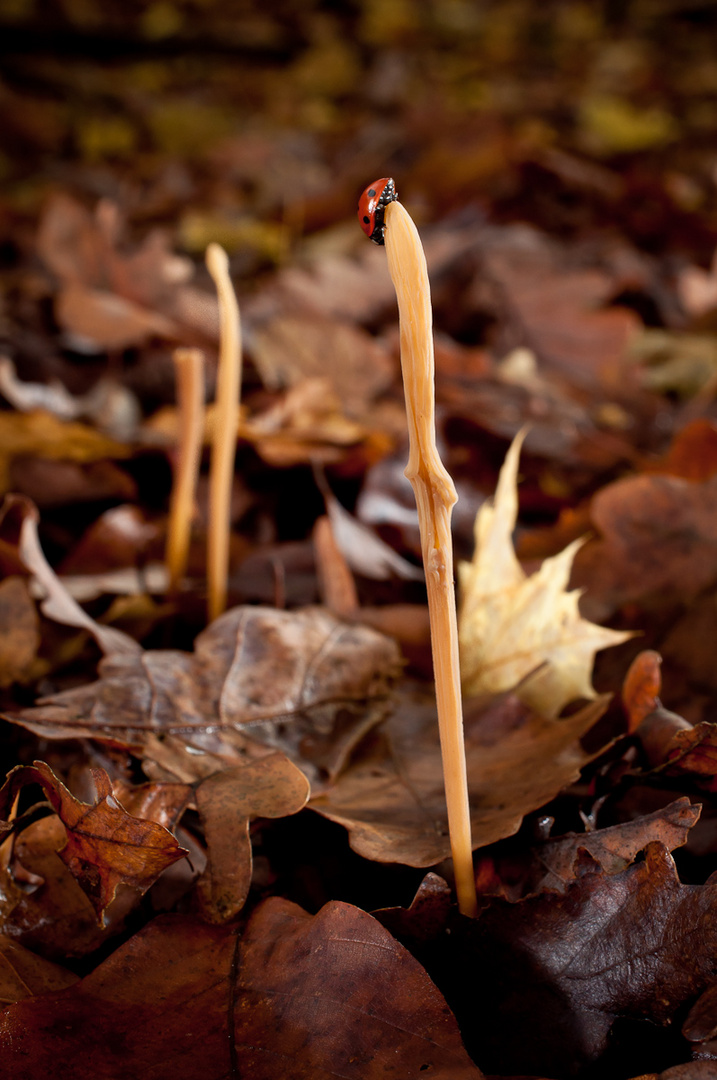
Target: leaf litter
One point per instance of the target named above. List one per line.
(577, 299)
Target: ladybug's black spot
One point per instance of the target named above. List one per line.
(371, 192)
(366, 220)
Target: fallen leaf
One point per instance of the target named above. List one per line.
(298, 681)
(366, 553)
(514, 629)
(613, 848)
(40, 434)
(227, 801)
(23, 975)
(692, 454)
(117, 295)
(563, 967)
(118, 538)
(289, 349)
(323, 996)
(656, 540)
(98, 320)
(105, 845)
(308, 425)
(19, 631)
(53, 917)
(641, 687)
(391, 796)
(56, 602)
(560, 308)
(337, 587)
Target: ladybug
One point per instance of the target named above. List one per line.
(372, 204)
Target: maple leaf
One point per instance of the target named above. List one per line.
(523, 633)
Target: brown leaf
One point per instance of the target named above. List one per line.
(308, 997)
(57, 603)
(118, 296)
(657, 539)
(23, 974)
(635, 945)
(692, 453)
(615, 847)
(104, 320)
(19, 631)
(391, 796)
(641, 688)
(39, 434)
(298, 681)
(289, 349)
(105, 845)
(54, 917)
(692, 749)
(227, 801)
(559, 307)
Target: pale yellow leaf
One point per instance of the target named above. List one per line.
(517, 632)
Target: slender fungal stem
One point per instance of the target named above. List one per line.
(225, 435)
(189, 367)
(435, 497)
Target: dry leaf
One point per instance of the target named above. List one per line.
(19, 631)
(391, 796)
(289, 349)
(40, 434)
(227, 801)
(657, 539)
(615, 847)
(105, 845)
(298, 681)
(634, 946)
(23, 974)
(300, 996)
(515, 629)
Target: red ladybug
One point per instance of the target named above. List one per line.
(372, 204)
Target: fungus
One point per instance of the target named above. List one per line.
(225, 434)
(435, 497)
(189, 367)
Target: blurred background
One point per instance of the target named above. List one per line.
(257, 124)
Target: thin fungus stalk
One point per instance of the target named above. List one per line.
(435, 497)
(189, 368)
(225, 433)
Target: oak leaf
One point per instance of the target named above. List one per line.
(523, 633)
(635, 946)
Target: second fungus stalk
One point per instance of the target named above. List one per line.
(189, 367)
(225, 434)
(435, 497)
